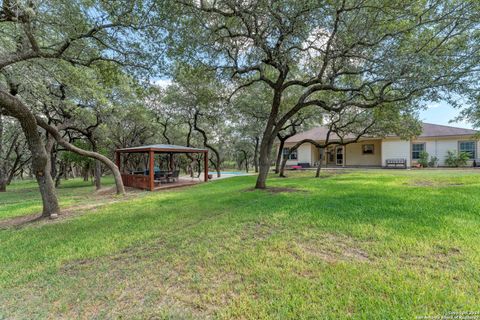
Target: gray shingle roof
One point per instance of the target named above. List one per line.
(438, 130)
(428, 130)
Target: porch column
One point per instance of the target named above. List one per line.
(151, 172)
(205, 166)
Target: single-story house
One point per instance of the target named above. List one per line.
(435, 139)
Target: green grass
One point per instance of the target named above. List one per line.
(372, 245)
(23, 197)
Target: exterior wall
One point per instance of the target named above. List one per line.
(315, 155)
(354, 156)
(439, 147)
(396, 148)
(305, 154)
(383, 149)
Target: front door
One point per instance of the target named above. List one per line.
(339, 152)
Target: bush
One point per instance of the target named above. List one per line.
(454, 159)
(423, 161)
(463, 157)
(433, 162)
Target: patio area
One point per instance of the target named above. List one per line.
(155, 166)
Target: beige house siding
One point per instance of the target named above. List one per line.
(305, 154)
(354, 154)
(387, 148)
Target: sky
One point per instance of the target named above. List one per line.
(442, 113)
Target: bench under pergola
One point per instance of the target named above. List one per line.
(147, 181)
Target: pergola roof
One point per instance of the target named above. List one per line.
(162, 148)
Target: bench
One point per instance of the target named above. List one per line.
(300, 166)
(295, 167)
(394, 163)
(304, 165)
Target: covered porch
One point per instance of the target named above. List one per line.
(154, 172)
(364, 153)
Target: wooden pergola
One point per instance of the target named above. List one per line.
(147, 181)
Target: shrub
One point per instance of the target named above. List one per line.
(463, 157)
(423, 161)
(454, 159)
(433, 162)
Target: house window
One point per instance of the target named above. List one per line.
(467, 147)
(417, 148)
(367, 148)
(293, 155)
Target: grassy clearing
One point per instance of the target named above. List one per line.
(372, 245)
(23, 197)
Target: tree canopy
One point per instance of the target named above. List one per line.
(242, 75)
(333, 55)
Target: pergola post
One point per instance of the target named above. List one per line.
(205, 166)
(151, 172)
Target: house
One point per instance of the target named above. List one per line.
(435, 139)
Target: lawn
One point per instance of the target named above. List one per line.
(365, 244)
(23, 197)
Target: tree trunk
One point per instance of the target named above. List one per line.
(264, 167)
(255, 154)
(17, 109)
(282, 167)
(53, 160)
(3, 171)
(279, 155)
(245, 157)
(85, 172)
(70, 147)
(189, 156)
(199, 166)
(97, 169)
(205, 142)
(62, 172)
(215, 166)
(239, 164)
(98, 175)
(268, 137)
(319, 166)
